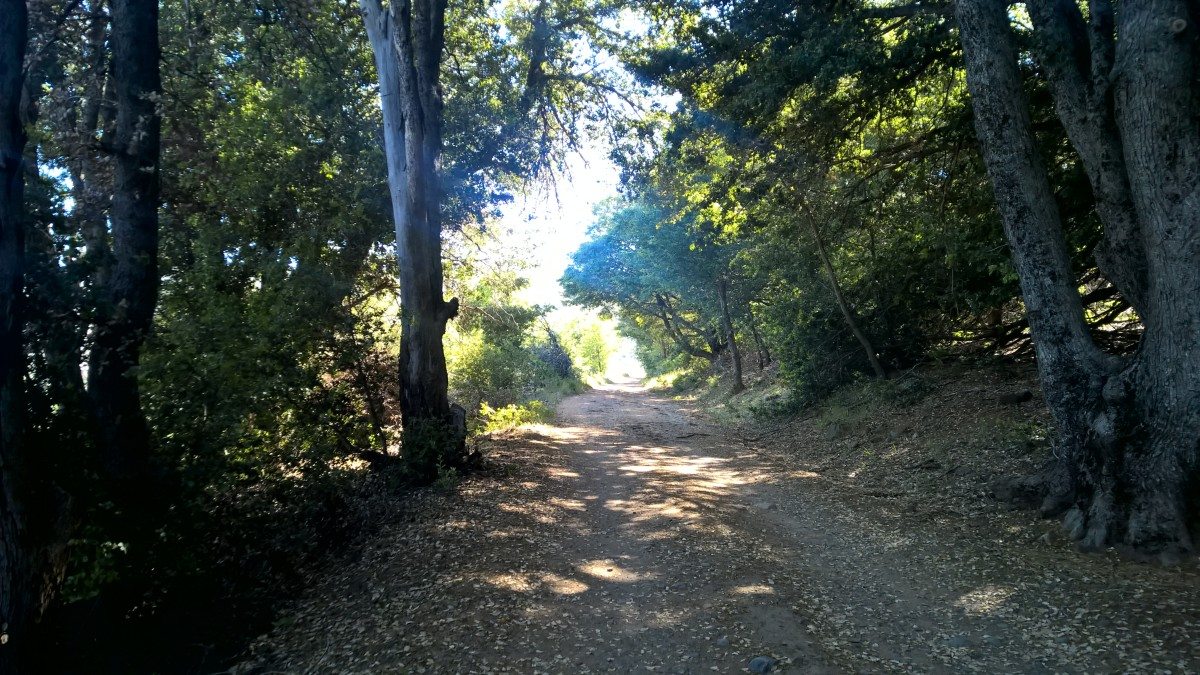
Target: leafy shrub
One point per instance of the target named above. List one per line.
(514, 415)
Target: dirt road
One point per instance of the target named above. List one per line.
(631, 537)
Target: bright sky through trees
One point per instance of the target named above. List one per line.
(554, 221)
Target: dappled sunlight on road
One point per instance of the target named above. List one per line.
(628, 537)
(753, 589)
(608, 570)
(622, 503)
(984, 600)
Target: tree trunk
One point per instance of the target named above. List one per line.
(764, 354)
(730, 337)
(33, 510)
(1125, 467)
(1078, 59)
(671, 322)
(847, 312)
(407, 41)
(17, 594)
(126, 302)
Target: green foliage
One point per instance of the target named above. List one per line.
(513, 415)
(269, 382)
(447, 479)
(590, 344)
(798, 123)
(658, 273)
(501, 353)
(428, 445)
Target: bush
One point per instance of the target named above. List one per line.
(510, 416)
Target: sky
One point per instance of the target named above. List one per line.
(554, 223)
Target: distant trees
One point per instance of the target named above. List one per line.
(672, 277)
(1124, 85)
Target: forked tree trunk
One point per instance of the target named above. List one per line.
(671, 321)
(730, 336)
(407, 40)
(1125, 467)
(126, 301)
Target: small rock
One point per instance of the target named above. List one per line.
(723, 641)
(766, 506)
(1044, 539)
(832, 432)
(762, 664)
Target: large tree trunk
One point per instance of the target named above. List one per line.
(1079, 78)
(33, 510)
(407, 40)
(1125, 467)
(18, 600)
(730, 336)
(126, 302)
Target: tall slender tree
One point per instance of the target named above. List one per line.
(730, 334)
(407, 38)
(127, 298)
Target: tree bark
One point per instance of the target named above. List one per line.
(407, 41)
(764, 354)
(126, 302)
(671, 322)
(1078, 59)
(730, 338)
(1125, 467)
(1157, 98)
(17, 594)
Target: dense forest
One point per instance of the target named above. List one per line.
(256, 284)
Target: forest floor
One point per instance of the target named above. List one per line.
(637, 535)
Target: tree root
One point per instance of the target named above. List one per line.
(1150, 528)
